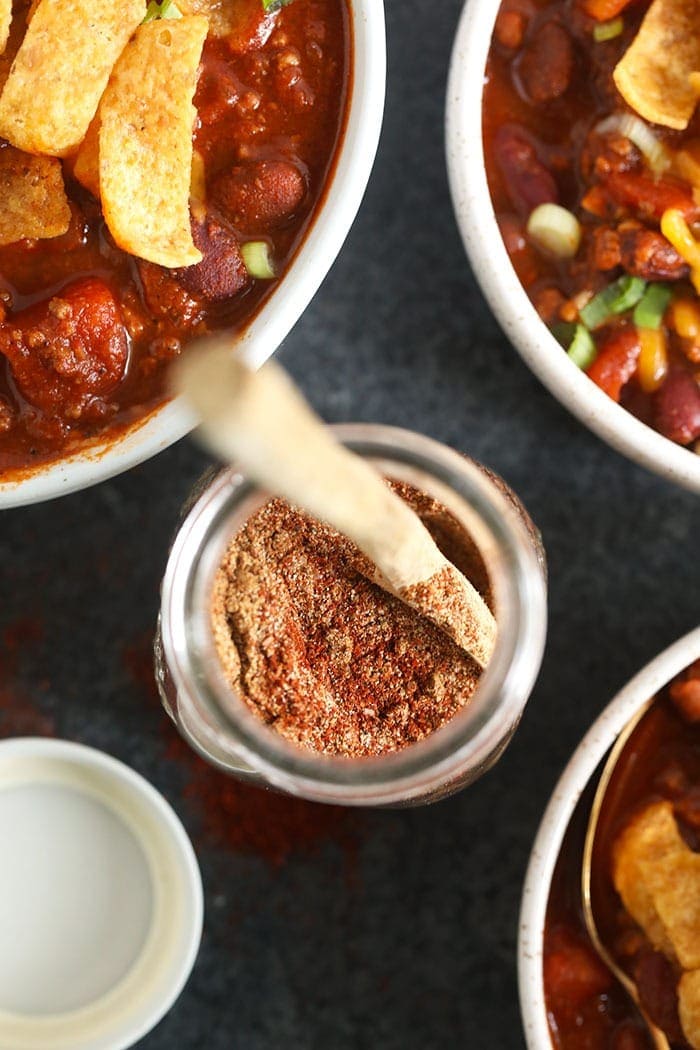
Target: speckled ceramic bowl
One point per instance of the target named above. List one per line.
(493, 269)
(283, 309)
(583, 764)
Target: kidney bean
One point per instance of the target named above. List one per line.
(261, 195)
(547, 63)
(222, 272)
(677, 408)
(646, 253)
(180, 294)
(616, 362)
(528, 181)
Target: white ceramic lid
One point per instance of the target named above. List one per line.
(100, 900)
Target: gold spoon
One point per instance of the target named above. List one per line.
(658, 1037)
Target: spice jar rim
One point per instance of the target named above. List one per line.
(520, 594)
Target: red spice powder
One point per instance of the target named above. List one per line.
(19, 714)
(324, 656)
(235, 816)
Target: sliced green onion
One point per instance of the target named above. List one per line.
(563, 332)
(258, 263)
(649, 311)
(274, 5)
(165, 9)
(555, 229)
(618, 297)
(633, 128)
(582, 350)
(603, 31)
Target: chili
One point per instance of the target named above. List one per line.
(556, 130)
(86, 331)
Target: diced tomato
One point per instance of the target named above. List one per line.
(616, 362)
(604, 10)
(648, 197)
(67, 352)
(573, 973)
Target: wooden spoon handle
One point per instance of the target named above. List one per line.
(260, 420)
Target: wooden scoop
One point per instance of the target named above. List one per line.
(259, 419)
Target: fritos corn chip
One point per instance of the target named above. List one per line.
(658, 877)
(689, 1007)
(145, 141)
(650, 838)
(34, 202)
(674, 884)
(653, 76)
(61, 70)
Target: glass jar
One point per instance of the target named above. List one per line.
(218, 724)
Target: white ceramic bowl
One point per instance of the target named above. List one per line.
(493, 269)
(101, 900)
(583, 764)
(284, 308)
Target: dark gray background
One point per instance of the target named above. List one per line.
(389, 930)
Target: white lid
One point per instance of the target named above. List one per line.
(100, 900)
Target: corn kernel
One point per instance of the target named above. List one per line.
(685, 318)
(676, 230)
(653, 359)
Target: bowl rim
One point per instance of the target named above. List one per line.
(274, 321)
(570, 786)
(494, 272)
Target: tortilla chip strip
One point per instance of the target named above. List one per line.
(34, 202)
(689, 1007)
(61, 70)
(5, 23)
(145, 141)
(653, 76)
(650, 837)
(675, 888)
(658, 877)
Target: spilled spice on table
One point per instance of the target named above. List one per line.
(20, 715)
(238, 817)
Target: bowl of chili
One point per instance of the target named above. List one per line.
(289, 107)
(566, 993)
(561, 193)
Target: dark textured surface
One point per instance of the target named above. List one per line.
(389, 930)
